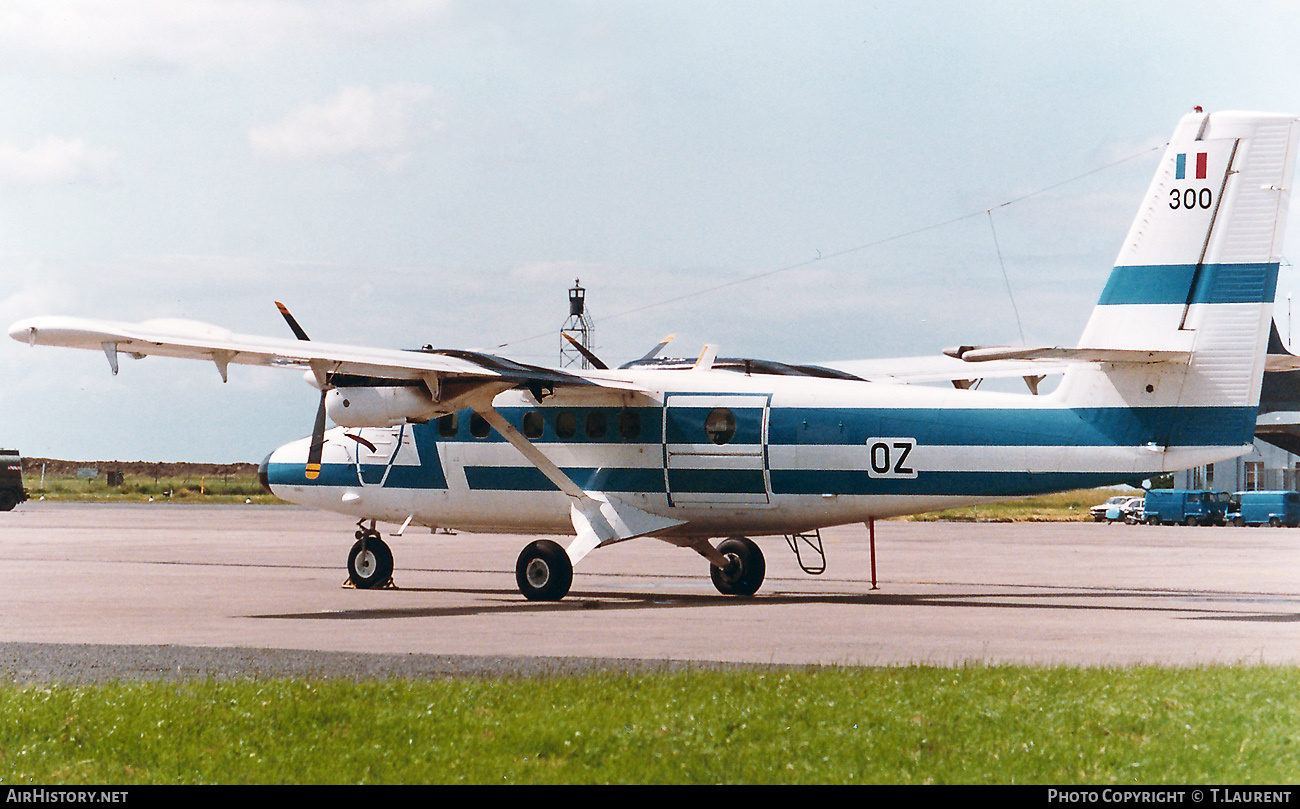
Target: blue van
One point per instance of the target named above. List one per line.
(1186, 507)
(1260, 508)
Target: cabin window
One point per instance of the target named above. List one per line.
(478, 426)
(596, 424)
(566, 425)
(629, 425)
(448, 425)
(533, 424)
(720, 425)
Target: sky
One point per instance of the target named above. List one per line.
(797, 181)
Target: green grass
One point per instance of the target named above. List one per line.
(974, 724)
(1063, 507)
(181, 489)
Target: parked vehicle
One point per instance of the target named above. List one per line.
(1269, 507)
(1135, 511)
(1119, 507)
(1186, 507)
(11, 479)
(1098, 512)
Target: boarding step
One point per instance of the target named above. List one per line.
(810, 545)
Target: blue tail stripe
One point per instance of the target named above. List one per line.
(1172, 283)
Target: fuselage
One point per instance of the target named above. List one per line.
(753, 454)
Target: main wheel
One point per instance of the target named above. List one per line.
(371, 567)
(543, 572)
(745, 568)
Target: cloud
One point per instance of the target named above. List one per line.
(384, 124)
(56, 160)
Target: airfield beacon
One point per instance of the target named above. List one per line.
(578, 326)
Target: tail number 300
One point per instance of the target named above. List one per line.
(891, 457)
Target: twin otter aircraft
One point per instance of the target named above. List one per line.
(1166, 376)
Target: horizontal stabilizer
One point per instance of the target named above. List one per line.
(1060, 354)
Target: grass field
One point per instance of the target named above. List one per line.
(912, 725)
(192, 488)
(1065, 506)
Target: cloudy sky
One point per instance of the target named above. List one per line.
(800, 181)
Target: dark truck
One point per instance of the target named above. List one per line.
(1186, 507)
(11, 479)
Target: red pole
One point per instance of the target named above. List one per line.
(871, 530)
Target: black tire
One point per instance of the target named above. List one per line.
(1274, 522)
(372, 569)
(8, 500)
(543, 572)
(744, 573)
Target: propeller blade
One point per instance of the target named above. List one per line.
(293, 322)
(585, 352)
(654, 352)
(317, 447)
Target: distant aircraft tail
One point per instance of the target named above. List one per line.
(1196, 278)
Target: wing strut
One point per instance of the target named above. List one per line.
(598, 518)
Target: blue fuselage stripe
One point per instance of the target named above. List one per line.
(850, 428)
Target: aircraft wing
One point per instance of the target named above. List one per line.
(188, 339)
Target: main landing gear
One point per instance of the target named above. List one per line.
(744, 570)
(545, 573)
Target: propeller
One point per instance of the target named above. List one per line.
(585, 352)
(654, 352)
(600, 365)
(317, 446)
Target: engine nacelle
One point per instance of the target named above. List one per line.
(380, 406)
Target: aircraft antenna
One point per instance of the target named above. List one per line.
(1005, 279)
(575, 335)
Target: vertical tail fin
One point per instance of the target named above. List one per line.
(1197, 273)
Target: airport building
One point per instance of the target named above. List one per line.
(1274, 463)
(1266, 468)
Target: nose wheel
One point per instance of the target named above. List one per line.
(370, 563)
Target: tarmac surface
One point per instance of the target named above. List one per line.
(99, 591)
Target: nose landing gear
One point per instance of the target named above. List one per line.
(370, 563)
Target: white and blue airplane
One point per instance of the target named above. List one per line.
(1166, 376)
